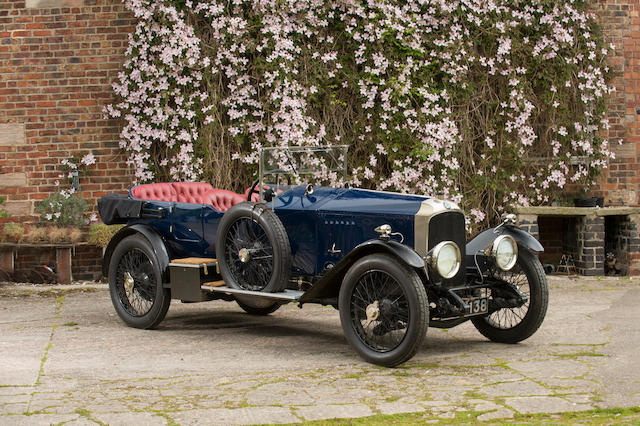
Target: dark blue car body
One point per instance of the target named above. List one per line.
(330, 218)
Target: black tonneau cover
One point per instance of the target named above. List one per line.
(118, 208)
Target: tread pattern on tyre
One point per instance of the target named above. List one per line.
(533, 318)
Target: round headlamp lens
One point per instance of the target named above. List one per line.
(447, 259)
(505, 252)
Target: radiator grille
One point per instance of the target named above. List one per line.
(449, 226)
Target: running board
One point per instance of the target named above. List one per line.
(287, 295)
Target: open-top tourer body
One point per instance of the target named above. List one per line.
(392, 263)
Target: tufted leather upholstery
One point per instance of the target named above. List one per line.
(192, 192)
(222, 200)
(154, 191)
(188, 192)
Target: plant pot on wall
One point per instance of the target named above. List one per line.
(589, 202)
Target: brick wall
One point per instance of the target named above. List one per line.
(86, 263)
(58, 59)
(621, 23)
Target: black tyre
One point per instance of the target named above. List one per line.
(253, 249)
(383, 310)
(254, 306)
(135, 283)
(513, 325)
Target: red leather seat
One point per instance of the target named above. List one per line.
(154, 191)
(188, 192)
(222, 200)
(192, 192)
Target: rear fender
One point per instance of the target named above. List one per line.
(151, 235)
(329, 285)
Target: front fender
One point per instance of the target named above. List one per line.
(150, 234)
(484, 239)
(329, 285)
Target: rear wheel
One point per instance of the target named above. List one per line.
(513, 325)
(135, 284)
(383, 310)
(255, 306)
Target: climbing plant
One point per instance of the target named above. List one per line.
(488, 103)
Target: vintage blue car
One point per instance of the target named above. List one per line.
(392, 264)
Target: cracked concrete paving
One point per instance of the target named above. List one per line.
(66, 357)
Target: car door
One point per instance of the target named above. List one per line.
(186, 221)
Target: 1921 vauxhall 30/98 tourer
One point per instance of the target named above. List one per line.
(392, 264)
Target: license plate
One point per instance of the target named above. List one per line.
(478, 306)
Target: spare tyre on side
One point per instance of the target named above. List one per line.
(253, 249)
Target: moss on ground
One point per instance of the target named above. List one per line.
(606, 416)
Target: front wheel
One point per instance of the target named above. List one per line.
(135, 284)
(383, 310)
(513, 325)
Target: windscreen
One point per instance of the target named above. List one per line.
(282, 167)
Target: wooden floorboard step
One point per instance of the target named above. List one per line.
(194, 260)
(214, 284)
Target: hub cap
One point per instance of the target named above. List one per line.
(244, 255)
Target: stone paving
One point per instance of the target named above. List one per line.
(66, 357)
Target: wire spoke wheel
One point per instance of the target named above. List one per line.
(379, 311)
(136, 282)
(253, 249)
(514, 324)
(249, 254)
(384, 310)
(507, 318)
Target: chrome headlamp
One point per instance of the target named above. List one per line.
(504, 252)
(445, 258)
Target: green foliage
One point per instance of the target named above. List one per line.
(100, 234)
(63, 209)
(13, 232)
(3, 211)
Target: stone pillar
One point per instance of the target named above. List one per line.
(7, 259)
(63, 265)
(633, 226)
(529, 223)
(590, 246)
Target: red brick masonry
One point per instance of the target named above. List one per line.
(56, 68)
(58, 59)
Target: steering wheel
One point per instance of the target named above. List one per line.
(253, 190)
